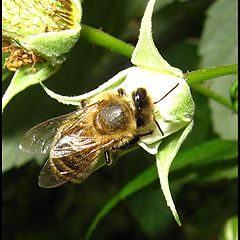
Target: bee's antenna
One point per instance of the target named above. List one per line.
(158, 126)
(167, 94)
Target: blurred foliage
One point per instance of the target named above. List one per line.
(230, 230)
(30, 212)
(217, 48)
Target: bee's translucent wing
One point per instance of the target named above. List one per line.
(72, 163)
(56, 172)
(48, 177)
(75, 152)
(39, 138)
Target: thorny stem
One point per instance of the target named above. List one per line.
(194, 78)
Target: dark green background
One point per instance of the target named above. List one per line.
(30, 212)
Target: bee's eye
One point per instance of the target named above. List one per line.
(140, 94)
(140, 97)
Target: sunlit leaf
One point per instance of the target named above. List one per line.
(230, 230)
(24, 78)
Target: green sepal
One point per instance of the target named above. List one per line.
(24, 78)
(167, 152)
(145, 53)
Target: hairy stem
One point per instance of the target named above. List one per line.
(198, 76)
(100, 38)
(194, 78)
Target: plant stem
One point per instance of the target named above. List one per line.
(196, 77)
(211, 94)
(98, 37)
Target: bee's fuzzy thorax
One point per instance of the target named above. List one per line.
(106, 123)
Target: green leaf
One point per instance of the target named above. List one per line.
(230, 230)
(12, 156)
(165, 156)
(234, 95)
(142, 180)
(24, 77)
(145, 53)
(197, 155)
(206, 153)
(145, 205)
(218, 46)
(218, 171)
(5, 74)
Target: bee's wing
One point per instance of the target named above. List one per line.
(48, 177)
(55, 173)
(73, 163)
(74, 154)
(39, 138)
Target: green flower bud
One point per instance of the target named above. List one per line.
(39, 31)
(174, 106)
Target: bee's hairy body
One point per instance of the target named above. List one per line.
(105, 123)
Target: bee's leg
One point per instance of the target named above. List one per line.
(121, 92)
(108, 157)
(150, 132)
(83, 103)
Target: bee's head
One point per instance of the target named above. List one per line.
(143, 107)
(140, 98)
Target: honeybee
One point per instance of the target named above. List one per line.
(106, 123)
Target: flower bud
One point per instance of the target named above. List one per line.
(39, 31)
(173, 103)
